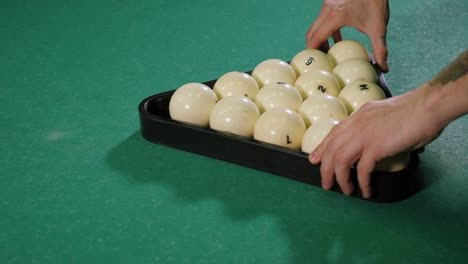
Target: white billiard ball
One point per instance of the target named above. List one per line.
(316, 133)
(234, 115)
(272, 71)
(319, 107)
(395, 163)
(192, 103)
(315, 81)
(311, 59)
(280, 126)
(353, 70)
(358, 93)
(348, 49)
(236, 83)
(278, 95)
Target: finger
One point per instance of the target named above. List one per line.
(321, 34)
(337, 36)
(315, 157)
(311, 29)
(347, 155)
(380, 51)
(327, 170)
(344, 159)
(318, 21)
(327, 151)
(342, 178)
(365, 167)
(322, 16)
(325, 46)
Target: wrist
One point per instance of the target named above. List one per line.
(432, 104)
(443, 103)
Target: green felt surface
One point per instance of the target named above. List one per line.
(78, 184)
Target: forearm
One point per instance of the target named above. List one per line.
(446, 96)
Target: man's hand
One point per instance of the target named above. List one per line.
(368, 16)
(381, 129)
(378, 130)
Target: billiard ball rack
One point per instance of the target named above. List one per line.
(157, 127)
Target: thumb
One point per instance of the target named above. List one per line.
(315, 156)
(320, 34)
(380, 51)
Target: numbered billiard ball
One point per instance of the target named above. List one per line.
(316, 133)
(280, 126)
(315, 81)
(192, 103)
(395, 163)
(272, 71)
(311, 59)
(347, 49)
(358, 93)
(234, 115)
(278, 95)
(236, 83)
(319, 107)
(352, 70)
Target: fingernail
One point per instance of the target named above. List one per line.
(386, 69)
(314, 157)
(325, 186)
(367, 195)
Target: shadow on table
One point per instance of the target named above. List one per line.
(322, 226)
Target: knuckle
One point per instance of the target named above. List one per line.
(341, 158)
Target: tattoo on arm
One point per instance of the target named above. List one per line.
(453, 71)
